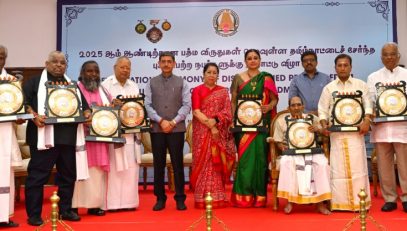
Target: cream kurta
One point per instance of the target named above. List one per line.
(348, 162)
(123, 177)
(289, 180)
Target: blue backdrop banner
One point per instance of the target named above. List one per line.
(199, 32)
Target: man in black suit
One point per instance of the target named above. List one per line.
(50, 145)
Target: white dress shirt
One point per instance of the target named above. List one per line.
(389, 131)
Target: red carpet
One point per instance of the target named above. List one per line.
(304, 217)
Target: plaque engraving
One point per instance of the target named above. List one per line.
(300, 140)
(105, 125)
(347, 112)
(391, 102)
(62, 104)
(248, 115)
(12, 99)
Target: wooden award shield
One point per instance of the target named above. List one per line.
(133, 115)
(300, 139)
(12, 100)
(62, 104)
(105, 125)
(347, 112)
(391, 102)
(248, 115)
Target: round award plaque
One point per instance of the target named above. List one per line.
(299, 135)
(249, 113)
(392, 102)
(63, 102)
(348, 111)
(105, 123)
(132, 114)
(11, 99)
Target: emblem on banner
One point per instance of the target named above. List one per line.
(225, 22)
(154, 34)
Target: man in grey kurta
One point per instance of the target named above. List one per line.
(168, 102)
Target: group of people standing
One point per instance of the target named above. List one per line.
(107, 179)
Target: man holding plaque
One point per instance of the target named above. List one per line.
(304, 178)
(348, 153)
(51, 144)
(168, 102)
(390, 138)
(309, 84)
(91, 193)
(10, 156)
(122, 187)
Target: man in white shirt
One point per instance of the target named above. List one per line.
(10, 156)
(348, 152)
(122, 183)
(304, 178)
(391, 137)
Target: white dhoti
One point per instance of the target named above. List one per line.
(91, 193)
(123, 177)
(349, 171)
(300, 187)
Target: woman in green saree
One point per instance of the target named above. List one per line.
(250, 185)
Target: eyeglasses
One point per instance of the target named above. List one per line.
(308, 60)
(391, 55)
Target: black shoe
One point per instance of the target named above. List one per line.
(404, 203)
(9, 224)
(181, 205)
(160, 205)
(35, 221)
(70, 216)
(96, 212)
(389, 206)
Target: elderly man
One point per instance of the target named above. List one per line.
(390, 138)
(10, 156)
(303, 179)
(91, 193)
(168, 103)
(122, 188)
(348, 152)
(309, 84)
(50, 144)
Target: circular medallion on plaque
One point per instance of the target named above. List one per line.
(392, 102)
(104, 123)
(299, 135)
(11, 99)
(348, 111)
(63, 102)
(249, 113)
(132, 114)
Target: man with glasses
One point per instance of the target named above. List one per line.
(390, 138)
(309, 84)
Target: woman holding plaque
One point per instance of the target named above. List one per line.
(213, 147)
(250, 185)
